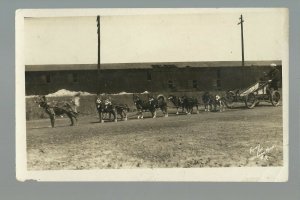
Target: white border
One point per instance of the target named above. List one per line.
(234, 174)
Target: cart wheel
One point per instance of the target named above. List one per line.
(250, 101)
(275, 97)
(229, 99)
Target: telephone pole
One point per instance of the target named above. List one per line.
(242, 38)
(98, 65)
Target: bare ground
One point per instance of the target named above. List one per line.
(200, 140)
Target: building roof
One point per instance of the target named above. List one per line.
(107, 66)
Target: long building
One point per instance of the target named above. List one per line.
(139, 77)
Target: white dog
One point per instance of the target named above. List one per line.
(219, 101)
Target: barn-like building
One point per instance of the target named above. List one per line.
(139, 77)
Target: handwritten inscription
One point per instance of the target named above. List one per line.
(261, 152)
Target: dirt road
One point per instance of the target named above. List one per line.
(237, 137)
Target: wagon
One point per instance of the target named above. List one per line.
(253, 95)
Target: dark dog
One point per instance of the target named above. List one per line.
(121, 109)
(213, 101)
(178, 103)
(185, 103)
(189, 103)
(65, 108)
(208, 101)
(151, 105)
(105, 107)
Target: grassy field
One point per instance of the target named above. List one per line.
(200, 140)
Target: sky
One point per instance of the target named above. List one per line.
(202, 36)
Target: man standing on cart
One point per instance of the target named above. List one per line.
(274, 76)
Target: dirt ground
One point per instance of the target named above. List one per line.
(237, 137)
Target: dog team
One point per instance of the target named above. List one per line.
(105, 106)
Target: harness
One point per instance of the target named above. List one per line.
(178, 102)
(47, 107)
(142, 105)
(105, 106)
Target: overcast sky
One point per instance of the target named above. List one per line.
(207, 36)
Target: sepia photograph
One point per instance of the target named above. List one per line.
(152, 94)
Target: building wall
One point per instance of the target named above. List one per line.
(168, 79)
(238, 77)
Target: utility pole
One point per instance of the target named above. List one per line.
(242, 38)
(98, 65)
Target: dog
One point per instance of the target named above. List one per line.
(60, 109)
(219, 102)
(211, 102)
(208, 101)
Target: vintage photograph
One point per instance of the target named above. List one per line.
(161, 90)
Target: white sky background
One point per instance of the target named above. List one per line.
(207, 36)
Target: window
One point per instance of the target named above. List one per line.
(73, 77)
(218, 84)
(219, 74)
(192, 84)
(170, 84)
(214, 84)
(48, 78)
(45, 78)
(149, 77)
(195, 84)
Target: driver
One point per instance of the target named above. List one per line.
(274, 76)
